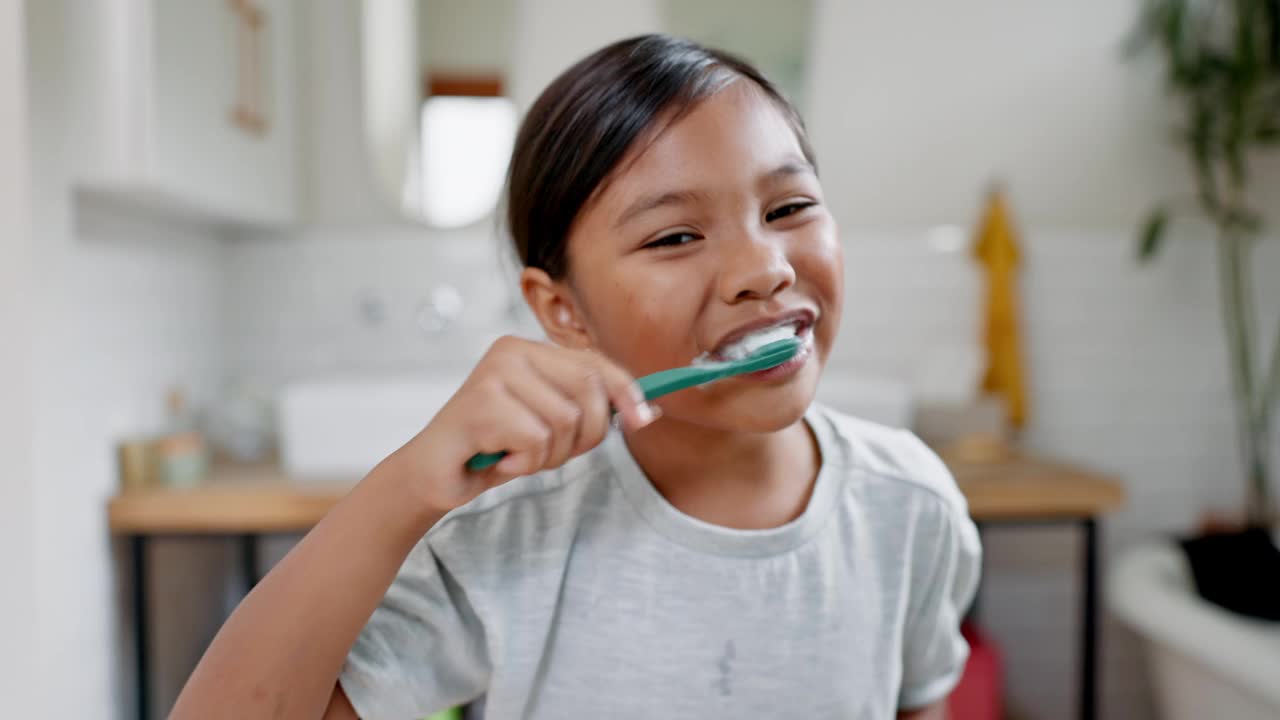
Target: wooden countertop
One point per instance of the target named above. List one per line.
(1024, 487)
(262, 499)
(235, 499)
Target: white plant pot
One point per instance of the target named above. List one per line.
(1205, 662)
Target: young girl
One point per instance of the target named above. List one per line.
(734, 552)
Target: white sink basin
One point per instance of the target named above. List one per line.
(340, 429)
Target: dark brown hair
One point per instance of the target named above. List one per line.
(586, 120)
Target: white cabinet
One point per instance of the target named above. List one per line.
(196, 106)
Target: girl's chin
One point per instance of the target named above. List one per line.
(778, 415)
(759, 408)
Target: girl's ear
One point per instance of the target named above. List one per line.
(553, 304)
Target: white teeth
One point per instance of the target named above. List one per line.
(747, 344)
(751, 342)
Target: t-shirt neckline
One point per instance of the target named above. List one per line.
(708, 537)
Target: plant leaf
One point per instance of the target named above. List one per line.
(1244, 219)
(1152, 235)
(1143, 32)
(1235, 161)
(1200, 140)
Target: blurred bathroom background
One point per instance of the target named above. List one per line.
(261, 233)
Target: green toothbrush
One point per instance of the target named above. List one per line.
(668, 381)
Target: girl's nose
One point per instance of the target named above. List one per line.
(754, 268)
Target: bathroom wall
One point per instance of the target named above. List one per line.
(122, 307)
(18, 603)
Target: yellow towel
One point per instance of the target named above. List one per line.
(996, 248)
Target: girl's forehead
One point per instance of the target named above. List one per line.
(731, 137)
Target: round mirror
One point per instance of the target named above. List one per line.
(437, 76)
(438, 121)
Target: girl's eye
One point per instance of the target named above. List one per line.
(672, 240)
(789, 209)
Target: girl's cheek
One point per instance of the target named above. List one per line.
(821, 262)
(643, 327)
(828, 241)
(659, 313)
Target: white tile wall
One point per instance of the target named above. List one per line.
(123, 306)
(1126, 368)
(137, 310)
(296, 301)
(19, 681)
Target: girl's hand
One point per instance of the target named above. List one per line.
(541, 403)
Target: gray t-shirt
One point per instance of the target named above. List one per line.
(583, 593)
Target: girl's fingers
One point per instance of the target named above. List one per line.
(584, 386)
(544, 405)
(524, 436)
(558, 412)
(513, 466)
(593, 400)
(590, 370)
(624, 394)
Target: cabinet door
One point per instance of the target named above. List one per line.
(223, 135)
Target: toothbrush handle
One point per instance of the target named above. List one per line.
(484, 461)
(668, 381)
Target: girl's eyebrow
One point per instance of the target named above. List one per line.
(792, 166)
(653, 202)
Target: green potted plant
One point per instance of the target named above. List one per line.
(1222, 59)
(1223, 69)
(1222, 62)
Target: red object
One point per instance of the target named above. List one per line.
(978, 696)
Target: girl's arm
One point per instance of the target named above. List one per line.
(280, 653)
(340, 707)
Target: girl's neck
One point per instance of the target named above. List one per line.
(734, 479)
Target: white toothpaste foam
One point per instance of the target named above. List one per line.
(748, 344)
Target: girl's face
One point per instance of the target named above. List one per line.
(712, 231)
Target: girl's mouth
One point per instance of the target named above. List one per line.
(744, 346)
(789, 367)
(741, 344)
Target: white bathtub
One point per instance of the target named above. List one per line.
(1205, 662)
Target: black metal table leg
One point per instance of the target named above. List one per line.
(249, 560)
(138, 549)
(1089, 646)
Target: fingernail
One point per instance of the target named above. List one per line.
(646, 414)
(637, 393)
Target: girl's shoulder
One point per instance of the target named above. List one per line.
(868, 452)
(891, 475)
